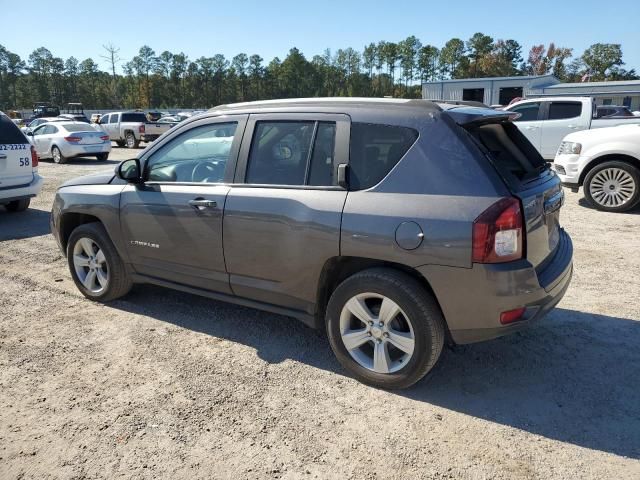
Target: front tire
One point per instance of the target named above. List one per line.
(57, 156)
(385, 328)
(18, 205)
(96, 268)
(613, 186)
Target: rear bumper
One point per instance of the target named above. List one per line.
(27, 191)
(69, 150)
(149, 137)
(473, 299)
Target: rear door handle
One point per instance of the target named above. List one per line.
(574, 127)
(530, 127)
(201, 203)
(3, 156)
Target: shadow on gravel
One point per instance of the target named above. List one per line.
(90, 161)
(27, 224)
(634, 211)
(574, 378)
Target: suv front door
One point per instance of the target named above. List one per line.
(282, 216)
(172, 223)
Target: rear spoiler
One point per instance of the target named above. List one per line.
(468, 116)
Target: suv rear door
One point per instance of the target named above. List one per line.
(172, 223)
(15, 156)
(282, 216)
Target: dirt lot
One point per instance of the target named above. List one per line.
(168, 385)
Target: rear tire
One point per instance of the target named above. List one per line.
(94, 263)
(102, 157)
(613, 186)
(18, 205)
(131, 140)
(402, 335)
(57, 156)
(120, 143)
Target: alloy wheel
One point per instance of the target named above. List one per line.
(612, 187)
(376, 332)
(90, 265)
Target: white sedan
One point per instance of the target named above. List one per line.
(64, 140)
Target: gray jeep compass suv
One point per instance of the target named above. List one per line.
(396, 225)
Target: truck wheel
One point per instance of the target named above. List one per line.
(103, 157)
(120, 143)
(385, 328)
(131, 140)
(18, 205)
(613, 186)
(96, 267)
(57, 156)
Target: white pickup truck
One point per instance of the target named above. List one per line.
(546, 121)
(606, 163)
(131, 128)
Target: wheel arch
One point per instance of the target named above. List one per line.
(611, 157)
(338, 269)
(69, 221)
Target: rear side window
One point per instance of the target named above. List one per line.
(528, 112)
(134, 117)
(374, 150)
(562, 110)
(292, 153)
(9, 132)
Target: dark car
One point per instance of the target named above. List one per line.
(396, 225)
(612, 111)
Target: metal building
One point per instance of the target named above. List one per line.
(490, 91)
(501, 90)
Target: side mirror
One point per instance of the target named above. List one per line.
(129, 170)
(29, 133)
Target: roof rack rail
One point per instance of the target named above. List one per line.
(468, 103)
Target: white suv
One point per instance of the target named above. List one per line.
(606, 163)
(19, 179)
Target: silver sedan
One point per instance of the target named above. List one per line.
(64, 140)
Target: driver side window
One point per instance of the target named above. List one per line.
(198, 155)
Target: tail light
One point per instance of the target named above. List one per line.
(72, 139)
(34, 158)
(104, 138)
(497, 233)
(141, 129)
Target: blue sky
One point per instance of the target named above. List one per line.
(270, 28)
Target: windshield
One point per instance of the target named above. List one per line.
(74, 127)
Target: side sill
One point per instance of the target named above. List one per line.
(308, 320)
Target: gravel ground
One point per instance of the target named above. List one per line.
(167, 385)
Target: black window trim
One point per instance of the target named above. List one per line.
(240, 119)
(343, 131)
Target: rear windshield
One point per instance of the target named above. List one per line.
(134, 117)
(74, 127)
(9, 132)
(515, 158)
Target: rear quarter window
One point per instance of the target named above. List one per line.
(374, 150)
(134, 117)
(9, 132)
(562, 110)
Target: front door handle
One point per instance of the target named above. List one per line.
(3, 156)
(530, 127)
(201, 203)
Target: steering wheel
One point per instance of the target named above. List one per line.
(203, 171)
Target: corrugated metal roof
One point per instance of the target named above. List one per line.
(484, 79)
(619, 83)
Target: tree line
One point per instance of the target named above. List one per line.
(165, 80)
